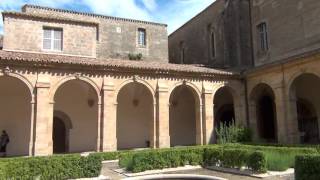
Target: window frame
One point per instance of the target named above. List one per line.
(52, 38)
(140, 42)
(262, 34)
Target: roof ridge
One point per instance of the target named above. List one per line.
(92, 14)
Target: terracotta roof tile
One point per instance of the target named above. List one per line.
(108, 63)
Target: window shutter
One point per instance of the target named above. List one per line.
(57, 44)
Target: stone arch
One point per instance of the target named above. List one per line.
(79, 99)
(193, 87)
(89, 81)
(185, 108)
(137, 80)
(263, 112)
(18, 123)
(304, 101)
(297, 74)
(135, 116)
(62, 133)
(21, 78)
(224, 100)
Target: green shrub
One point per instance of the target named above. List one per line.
(257, 161)
(163, 158)
(234, 158)
(278, 158)
(232, 133)
(136, 57)
(307, 167)
(53, 167)
(212, 156)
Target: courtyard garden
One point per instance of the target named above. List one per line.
(230, 152)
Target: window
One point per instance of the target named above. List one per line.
(212, 44)
(142, 37)
(182, 52)
(263, 37)
(52, 39)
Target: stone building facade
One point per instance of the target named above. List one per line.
(279, 45)
(62, 94)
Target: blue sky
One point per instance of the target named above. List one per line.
(172, 12)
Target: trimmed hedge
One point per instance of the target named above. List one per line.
(307, 167)
(208, 156)
(235, 158)
(53, 167)
(159, 159)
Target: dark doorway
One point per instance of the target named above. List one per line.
(225, 115)
(59, 136)
(308, 122)
(266, 118)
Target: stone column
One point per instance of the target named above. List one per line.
(109, 117)
(199, 123)
(99, 134)
(153, 129)
(162, 119)
(292, 120)
(253, 124)
(280, 106)
(32, 123)
(43, 121)
(208, 117)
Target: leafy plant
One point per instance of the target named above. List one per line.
(136, 57)
(231, 133)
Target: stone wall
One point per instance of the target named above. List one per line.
(293, 27)
(230, 22)
(117, 37)
(26, 34)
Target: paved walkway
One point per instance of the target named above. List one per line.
(108, 170)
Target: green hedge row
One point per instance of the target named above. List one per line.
(208, 156)
(53, 167)
(159, 159)
(307, 167)
(235, 158)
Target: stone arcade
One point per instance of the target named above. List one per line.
(67, 84)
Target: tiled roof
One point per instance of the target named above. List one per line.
(47, 17)
(92, 15)
(108, 63)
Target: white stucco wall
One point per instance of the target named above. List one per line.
(15, 114)
(134, 119)
(72, 99)
(182, 117)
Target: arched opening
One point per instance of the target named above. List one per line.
(59, 136)
(223, 107)
(305, 91)
(184, 117)
(263, 98)
(135, 117)
(76, 103)
(15, 114)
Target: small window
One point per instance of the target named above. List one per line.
(142, 37)
(263, 37)
(52, 39)
(212, 44)
(182, 52)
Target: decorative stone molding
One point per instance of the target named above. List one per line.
(6, 71)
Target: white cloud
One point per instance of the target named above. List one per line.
(151, 5)
(121, 8)
(172, 12)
